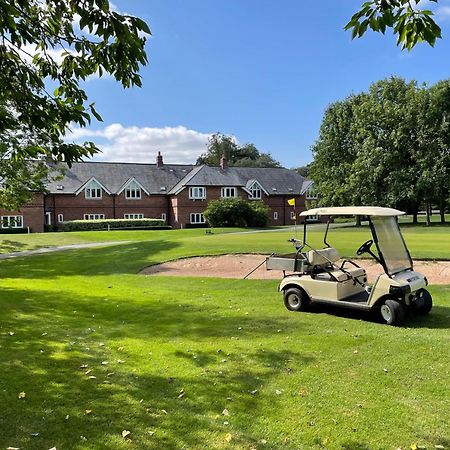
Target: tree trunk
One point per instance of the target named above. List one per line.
(358, 221)
(428, 220)
(442, 210)
(414, 218)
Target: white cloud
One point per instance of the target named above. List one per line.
(178, 145)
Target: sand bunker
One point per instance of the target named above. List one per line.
(238, 266)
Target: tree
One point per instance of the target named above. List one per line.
(54, 45)
(409, 23)
(240, 156)
(304, 171)
(236, 212)
(388, 146)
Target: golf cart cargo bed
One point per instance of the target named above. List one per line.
(289, 263)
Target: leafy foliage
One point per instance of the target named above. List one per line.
(388, 146)
(235, 212)
(104, 224)
(54, 45)
(411, 24)
(240, 156)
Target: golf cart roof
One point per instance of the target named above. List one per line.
(353, 211)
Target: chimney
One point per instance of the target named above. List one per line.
(159, 160)
(224, 162)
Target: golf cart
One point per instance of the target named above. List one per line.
(320, 275)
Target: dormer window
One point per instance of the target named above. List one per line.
(93, 190)
(133, 191)
(311, 193)
(197, 193)
(254, 191)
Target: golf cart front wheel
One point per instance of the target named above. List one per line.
(393, 312)
(424, 302)
(295, 299)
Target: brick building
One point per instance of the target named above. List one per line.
(176, 193)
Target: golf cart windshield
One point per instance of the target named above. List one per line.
(391, 245)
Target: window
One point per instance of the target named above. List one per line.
(197, 218)
(12, 221)
(275, 215)
(164, 216)
(60, 218)
(311, 193)
(133, 216)
(48, 218)
(93, 190)
(228, 192)
(133, 190)
(93, 216)
(312, 218)
(254, 192)
(292, 215)
(197, 193)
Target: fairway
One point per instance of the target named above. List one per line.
(95, 351)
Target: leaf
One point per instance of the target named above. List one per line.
(125, 433)
(254, 392)
(88, 411)
(225, 412)
(228, 437)
(22, 395)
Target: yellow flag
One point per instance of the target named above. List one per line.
(291, 202)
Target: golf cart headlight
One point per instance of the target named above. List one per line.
(400, 290)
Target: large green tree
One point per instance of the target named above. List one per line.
(409, 22)
(47, 49)
(240, 156)
(388, 146)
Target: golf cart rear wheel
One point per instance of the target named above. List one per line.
(424, 302)
(393, 312)
(295, 299)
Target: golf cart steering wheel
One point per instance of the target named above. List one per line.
(365, 247)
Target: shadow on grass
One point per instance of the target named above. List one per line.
(8, 246)
(50, 352)
(116, 259)
(438, 317)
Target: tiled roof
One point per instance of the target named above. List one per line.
(174, 177)
(275, 181)
(114, 175)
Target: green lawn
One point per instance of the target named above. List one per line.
(192, 363)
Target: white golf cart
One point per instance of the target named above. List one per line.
(321, 275)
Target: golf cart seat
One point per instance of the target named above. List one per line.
(323, 264)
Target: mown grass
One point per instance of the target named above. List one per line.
(180, 351)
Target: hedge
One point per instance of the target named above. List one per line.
(114, 224)
(13, 230)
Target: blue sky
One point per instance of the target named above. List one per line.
(260, 70)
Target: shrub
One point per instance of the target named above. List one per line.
(105, 224)
(235, 212)
(13, 230)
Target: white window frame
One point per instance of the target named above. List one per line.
(48, 218)
(255, 191)
(164, 216)
(197, 193)
(133, 191)
(292, 215)
(228, 192)
(196, 218)
(93, 216)
(311, 193)
(60, 218)
(93, 190)
(12, 221)
(275, 215)
(312, 218)
(133, 216)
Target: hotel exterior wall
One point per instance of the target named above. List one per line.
(33, 213)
